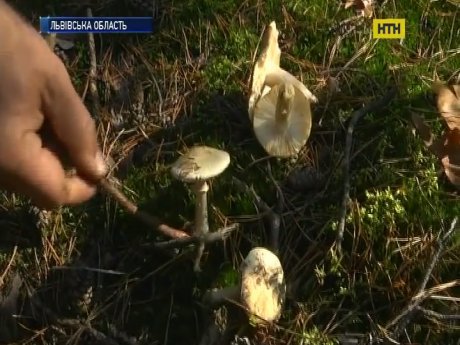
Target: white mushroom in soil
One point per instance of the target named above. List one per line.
(267, 72)
(196, 166)
(262, 289)
(282, 120)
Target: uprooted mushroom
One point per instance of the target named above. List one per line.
(447, 147)
(279, 104)
(261, 291)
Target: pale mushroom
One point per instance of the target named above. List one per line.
(268, 60)
(198, 165)
(267, 71)
(65, 42)
(262, 288)
(282, 120)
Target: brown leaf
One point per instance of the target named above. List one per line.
(422, 128)
(364, 8)
(446, 148)
(448, 103)
(357, 3)
(436, 146)
(452, 145)
(451, 160)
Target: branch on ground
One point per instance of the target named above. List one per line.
(355, 117)
(273, 217)
(92, 75)
(210, 237)
(144, 217)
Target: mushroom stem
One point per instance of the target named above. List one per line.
(201, 208)
(201, 219)
(220, 296)
(280, 75)
(284, 102)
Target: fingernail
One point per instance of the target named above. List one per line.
(101, 166)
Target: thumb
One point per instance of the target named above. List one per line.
(72, 124)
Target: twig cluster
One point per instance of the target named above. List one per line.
(397, 326)
(113, 336)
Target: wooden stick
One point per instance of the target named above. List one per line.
(144, 217)
(355, 117)
(93, 72)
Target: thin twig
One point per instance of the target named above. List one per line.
(399, 323)
(209, 237)
(133, 209)
(179, 238)
(355, 117)
(438, 316)
(10, 263)
(93, 71)
(273, 218)
(122, 336)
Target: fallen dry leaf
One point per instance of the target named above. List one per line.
(436, 146)
(364, 8)
(446, 148)
(451, 159)
(333, 84)
(448, 103)
(422, 128)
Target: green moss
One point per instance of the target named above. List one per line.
(219, 74)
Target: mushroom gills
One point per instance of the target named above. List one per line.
(282, 120)
(278, 76)
(285, 99)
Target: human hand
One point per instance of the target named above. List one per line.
(43, 122)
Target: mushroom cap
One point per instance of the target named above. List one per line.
(262, 285)
(269, 59)
(200, 163)
(64, 43)
(282, 138)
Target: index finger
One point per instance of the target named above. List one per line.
(38, 173)
(71, 122)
